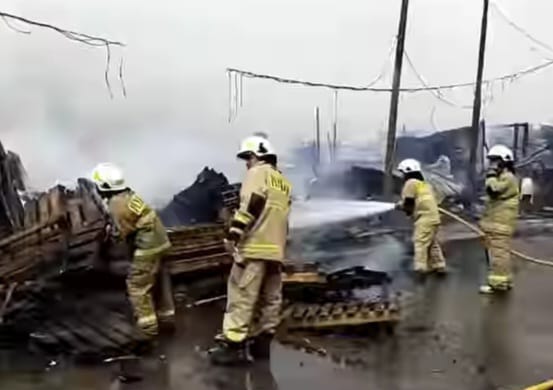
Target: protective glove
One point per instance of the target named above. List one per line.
(108, 232)
(230, 246)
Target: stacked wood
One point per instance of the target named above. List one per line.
(69, 282)
(62, 227)
(197, 248)
(50, 268)
(231, 196)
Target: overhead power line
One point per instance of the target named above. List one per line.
(386, 65)
(284, 80)
(76, 36)
(436, 93)
(72, 35)
(503, 14)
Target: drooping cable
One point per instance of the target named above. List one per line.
(76, 36)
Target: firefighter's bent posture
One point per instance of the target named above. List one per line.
(257, 236)
(137, 223)
(418, 201)
(500, 217)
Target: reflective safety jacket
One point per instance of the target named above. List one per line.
(134, 218)
(261, 222)
(426, 208)
(501, 204)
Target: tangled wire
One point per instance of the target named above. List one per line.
(86, 39)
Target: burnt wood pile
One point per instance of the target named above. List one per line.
(197, 248)
(57, 286)
(202, 202)
(62, 284)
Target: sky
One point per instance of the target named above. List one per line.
(57, 114)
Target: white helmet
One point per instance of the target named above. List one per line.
(409, 165)
(502, 152)
(108, 177)
(257, 145)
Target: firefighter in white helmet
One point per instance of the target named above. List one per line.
(257, 238)
(500, 216)
(139, 225)
(418, 201)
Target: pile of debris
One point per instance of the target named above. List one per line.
(51, 271)
(62, 281)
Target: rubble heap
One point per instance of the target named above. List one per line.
(62, 281)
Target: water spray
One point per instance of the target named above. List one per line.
(316, 212)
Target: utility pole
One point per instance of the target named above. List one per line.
(476, 108)
(394, 101)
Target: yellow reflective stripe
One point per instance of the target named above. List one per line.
(147, 320)
(499, 278)
(166, 313)
(250, 249)
(499, 281)
(263, 246)
(235, 336)
(152, 251)
(243, 216)
(136, 205)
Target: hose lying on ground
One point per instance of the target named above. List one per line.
(542, 386)
(482, 234)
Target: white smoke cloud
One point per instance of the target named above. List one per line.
(56, 112)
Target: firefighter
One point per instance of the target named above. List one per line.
(499, 218)
(257, 237)
(136, 223)
(418, 202)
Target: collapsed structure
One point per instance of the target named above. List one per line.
(357, 173)
(62, 278)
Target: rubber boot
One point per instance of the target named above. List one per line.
(488, 289)
(440, 271)
(260, 346)
(420, 276)
(228, 353)
(142, 343)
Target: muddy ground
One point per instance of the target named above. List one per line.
(450, 338)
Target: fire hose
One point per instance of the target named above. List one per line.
(542, 386)
(478, 231)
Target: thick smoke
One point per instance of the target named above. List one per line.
(57, 113)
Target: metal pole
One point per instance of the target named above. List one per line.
(317, 137)
(394, 101)
(515, 140)
(525, 137)
(335, 125)
(476, 108)
(329, 141)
